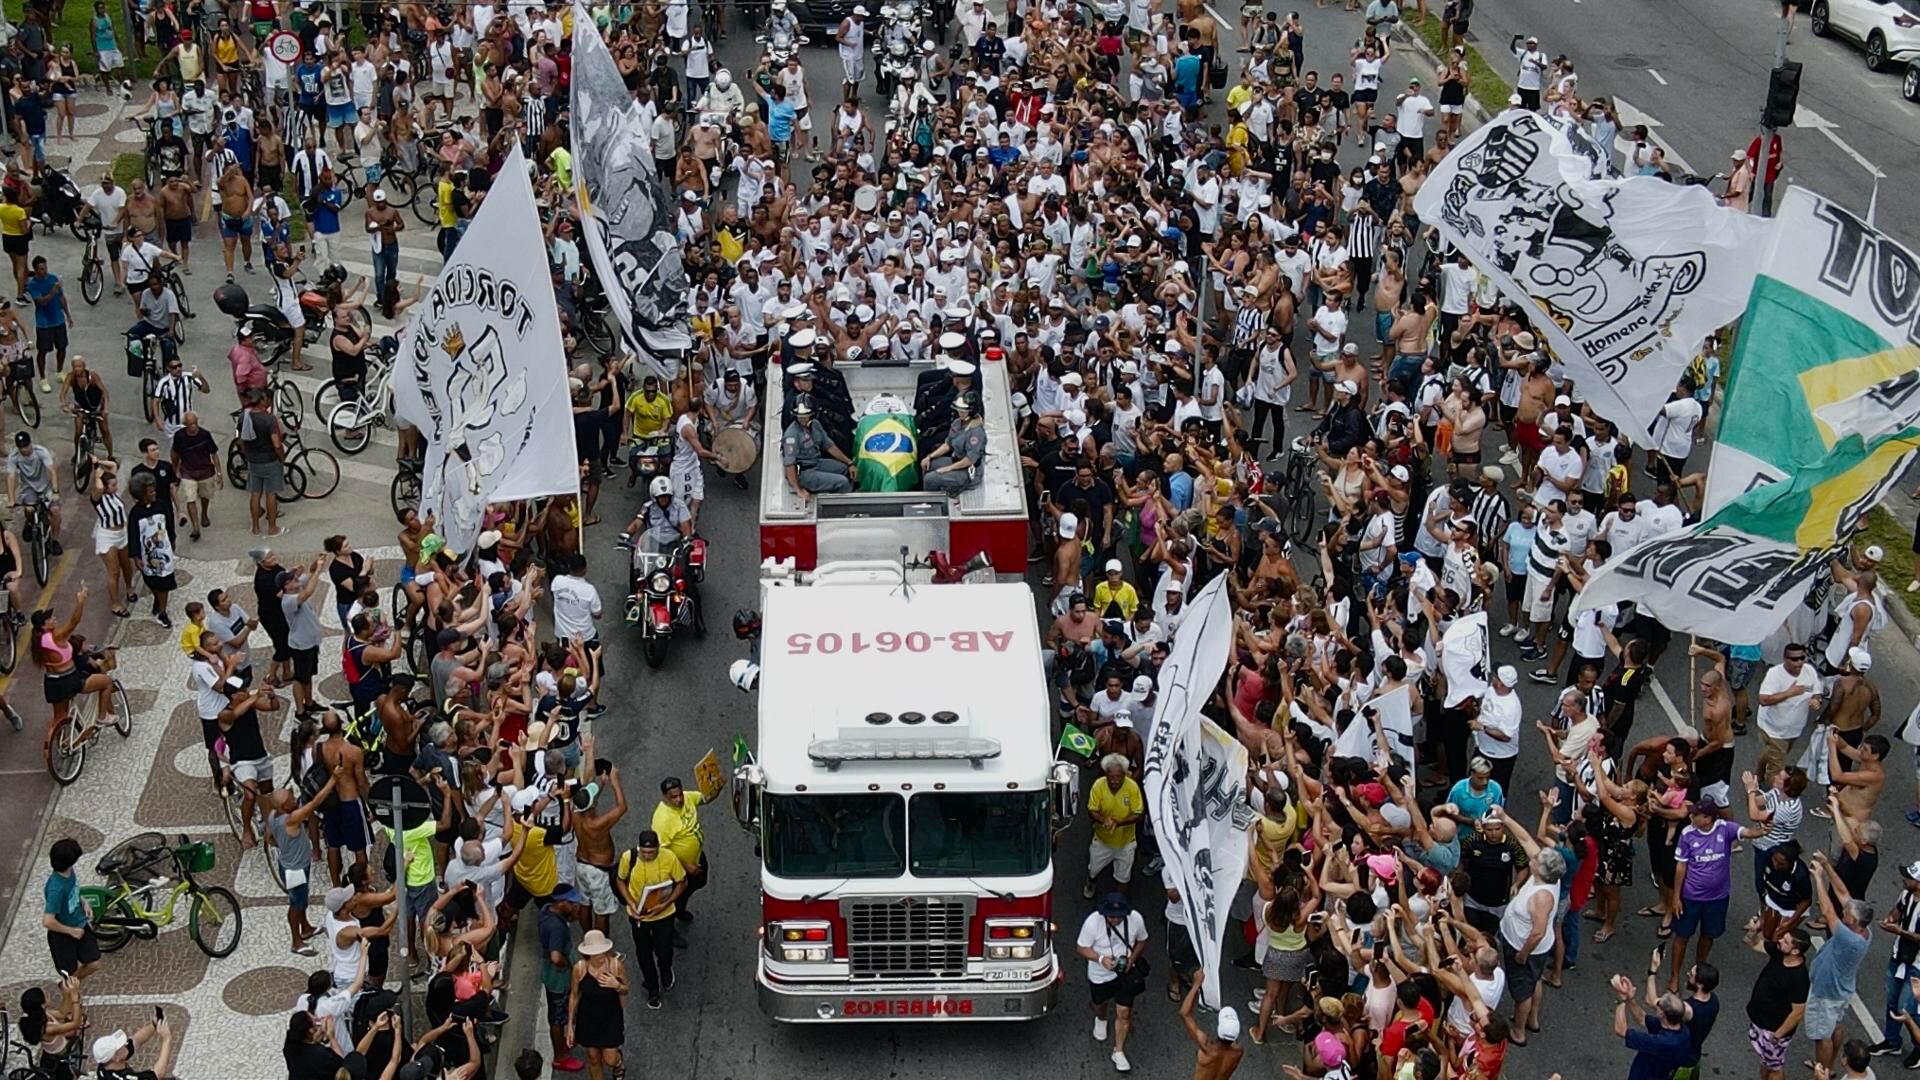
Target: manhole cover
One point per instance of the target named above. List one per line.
(1631, 62)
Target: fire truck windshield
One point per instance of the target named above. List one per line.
(832, 836)
(978, 834)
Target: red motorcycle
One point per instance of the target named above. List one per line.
(664, 593)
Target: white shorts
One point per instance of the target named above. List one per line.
(1452, 110)
(1539, 597)
(691, 481)
(259, 772)
(105, 540)
(438, 89)
(598, 887)
(1100, 856)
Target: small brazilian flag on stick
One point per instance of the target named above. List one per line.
(1077, 741)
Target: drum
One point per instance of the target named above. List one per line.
(866, 199)
(736, 450)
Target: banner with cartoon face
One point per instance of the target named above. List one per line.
(482, 372)
(626, 218)
(1627, 276)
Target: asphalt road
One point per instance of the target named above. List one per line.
(663, 721)
(1696, 71)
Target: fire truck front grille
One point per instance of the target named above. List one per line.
(910, 937)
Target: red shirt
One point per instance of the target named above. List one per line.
(1395, 1037)
(1582, 886)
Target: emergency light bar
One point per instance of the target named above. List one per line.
(835, 752)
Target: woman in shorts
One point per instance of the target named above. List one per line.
(110, 536)
(63, 678)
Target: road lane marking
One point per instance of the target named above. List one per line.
(1650, 71)
(1807, 119)
(1629, 116)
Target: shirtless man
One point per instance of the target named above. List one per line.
(1536, 397)
(1853, 792)
(176, 208)
(142, 211)
(1412, 321)
(1388, 291)
(1219, 1050)
(398, 728)
(597, 851)
(236, 221)
(1713, 756)
(1348, 367)
(1853, 702)
(344, 821)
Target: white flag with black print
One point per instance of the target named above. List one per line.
(483, 374)
(1628, 276)
(626, 217)
(1196, 781)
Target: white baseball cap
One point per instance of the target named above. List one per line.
(1069, 526)
(1508, 676)
(1861, 659)
(108, 1045)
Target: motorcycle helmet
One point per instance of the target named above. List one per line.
(779, 6)
(964, 404)
(746, 624)
(803, 405)
(661, 485)
(745, 675)
(722, 79)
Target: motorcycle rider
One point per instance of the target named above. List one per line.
(723, 99)
(662, 522)
(783, 28)
(801, 446)
(910, 98)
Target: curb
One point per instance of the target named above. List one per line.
(1896, 607)
(1405, 36)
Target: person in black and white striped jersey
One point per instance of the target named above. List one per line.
(1364, 232)
(173, 396)
(1543, 576)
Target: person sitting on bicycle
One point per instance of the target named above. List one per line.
(49, 1033)
(66, 671)
(12, 564)
(351, 337)
(83, 394)
(159, 314)
(230, 56)
(33, 479)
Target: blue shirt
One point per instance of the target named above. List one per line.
(32, 112)
(48, 311)
(1474, 805)
(1658, 1051)
(240, 141)
(1002, 156)
(1833, 967)
(1180, 490)
(326, 213)
(780, 117)
(63, 900)
(1186, 74)
(1519, 539)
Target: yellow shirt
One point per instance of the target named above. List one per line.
(536, 871)
(1240, 94)
(680, 829)
(659, 874)
(649, 417)
(1124, 597)
(418, 844)
(1127, 802)
(443, 203)
(561, 162)
(190, 638)
(13, 219)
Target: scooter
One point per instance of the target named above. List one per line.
(59, 205)
(664, 593)
(270, 323)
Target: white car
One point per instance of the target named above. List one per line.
(1888, 29)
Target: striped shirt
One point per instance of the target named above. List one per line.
(1364, 233)
(110, 513)
(533, 113)
(1548, 543)
(175, 395)
(1489, 513)
(1248, 326)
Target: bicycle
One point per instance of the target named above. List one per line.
(69, 1062)
(351, 424)
(10, 623)
(307, 472)
(68, 739)
(93, 265)
(1297, 485)
(404, 492)
(18, 388)
(35, 532)
(379, 369)
(83, 445)
(234, 803)
(123, 908)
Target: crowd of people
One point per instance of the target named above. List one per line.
(1170, 242)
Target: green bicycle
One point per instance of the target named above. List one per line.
(123, 909)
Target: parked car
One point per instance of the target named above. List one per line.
(1888, 29)
(1910, 85)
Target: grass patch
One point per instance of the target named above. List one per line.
(75, 28)
(1486, 85)
(1897, 541)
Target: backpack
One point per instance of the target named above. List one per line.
(313, 780)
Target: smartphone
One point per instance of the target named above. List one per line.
(159, 1014)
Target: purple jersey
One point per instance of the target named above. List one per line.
(1705, 855)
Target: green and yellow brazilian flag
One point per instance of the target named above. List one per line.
(886, 450)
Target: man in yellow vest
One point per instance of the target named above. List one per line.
(677, 820)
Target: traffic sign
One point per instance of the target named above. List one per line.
(284, 46)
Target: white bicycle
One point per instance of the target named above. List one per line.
(351, 423)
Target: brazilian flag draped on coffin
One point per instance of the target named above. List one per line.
(886, 449)
(1821, 417)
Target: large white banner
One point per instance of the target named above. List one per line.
(482, 372)
(1629, 275)
(625, 213)
(1197, 780)
(1394, 710)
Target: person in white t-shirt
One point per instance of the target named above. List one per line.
(1410, 115)
(1112, 942)
(1557, 474)
(1329, 327)
(1673, 431)
(1788, 695)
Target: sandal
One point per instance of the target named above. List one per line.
(1601, 937)
(1739, 728)
(1513, 1040)
(1665, 931)
(121, 613)
(1651, 912)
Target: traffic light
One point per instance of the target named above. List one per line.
(1783, 92)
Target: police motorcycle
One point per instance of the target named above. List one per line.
(899, 38)
(720, 106)
(782, 38)
(664, 587)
